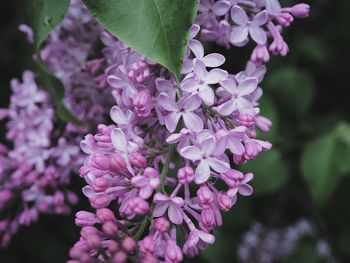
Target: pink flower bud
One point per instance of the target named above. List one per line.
(113, 247)
(207, 218)
(173, 253)
(83, 218)
(143, 103)
(138, 160)
(251, 150)
(205, 195)
(285, 19)
(238, 159)
(139, 71)
(120, 257)
(101, 184)
(301, 10)
(264, 124)
(185, 175)
(259, 56)
(224, 202)
(246, 120)
(139, 206)
(117, 163)
(105, 214)
(110, 228)
(100, 201)
(100, 161)
(147, 245)
(129, 244)
(161, 224)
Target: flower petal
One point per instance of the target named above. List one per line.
(220, 8)
(175, 214)
(119, 140)
(215, 76)
(118, 116)
(217, 165)
(207, 95)
(239, 34)
(228, 107)
(258, 35)
(171, 120)
(160, 209)
(239, 16)
(260, 19)
(202, 173)
(196, 47)
(191, 152)
(213, 60)
(193, 121)
(247, 86)
(200, 70)
(206, 237)
(166, 102)
(191, 103)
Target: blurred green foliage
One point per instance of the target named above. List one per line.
(306, 175)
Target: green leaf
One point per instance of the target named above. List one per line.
(270, 172)
(325, 160)
(293, 89)
(45, 16)
(159, 29)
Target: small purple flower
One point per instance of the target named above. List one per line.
(201, 80)
(246, 27)
(172, 204)
(237, 95)
(184, 108)
(205, 154)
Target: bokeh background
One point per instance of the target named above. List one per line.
(305, 176)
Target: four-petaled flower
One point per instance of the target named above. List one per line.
(238, 96)
(172, 204)
(199, 83)
(184, 108)
(246, 27)
(205, 153)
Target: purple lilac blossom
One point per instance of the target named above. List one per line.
(234, 22)
(42, 154)
(167, 138)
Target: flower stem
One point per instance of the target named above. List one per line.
(165, 169)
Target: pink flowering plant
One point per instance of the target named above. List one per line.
(162, 126)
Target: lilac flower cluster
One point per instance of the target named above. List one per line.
(41, 154)
(235, 22)
(34, 169)
(263, 245)
(170, 145)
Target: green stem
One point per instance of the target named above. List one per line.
(165, 169)
(142, 228)
(163, 174)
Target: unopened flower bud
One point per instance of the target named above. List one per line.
(129, 244)
(138, 160)
(100, 161)
(205, 195)
(117, 163)
(224, 202)
(185, 175)
(139, 206)
(301, 10)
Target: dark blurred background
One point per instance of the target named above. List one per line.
(306, 174)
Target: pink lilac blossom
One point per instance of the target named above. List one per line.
(234, 22)
(41, 154)
(266, 245)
